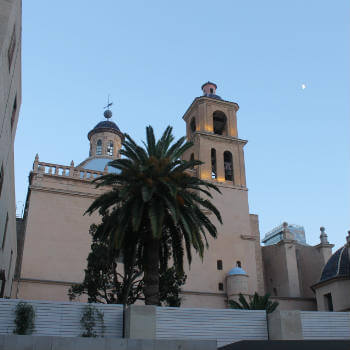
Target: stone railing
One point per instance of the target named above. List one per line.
(65, 171)
(76, 172)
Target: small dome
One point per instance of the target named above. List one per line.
(105, 125)
(236, 271)
(338, 265)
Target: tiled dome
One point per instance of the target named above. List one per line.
(105, 125)
(338, 265)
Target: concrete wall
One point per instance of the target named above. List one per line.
(10, 91)
(24, 342)
(298, 325)
(290, 269)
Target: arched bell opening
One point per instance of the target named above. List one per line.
(213, 164)
(228, 166)
(220, 123)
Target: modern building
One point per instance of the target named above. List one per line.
(276, 235)
(10, 102)
(56, 239)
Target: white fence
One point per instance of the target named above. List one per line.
(224, 325)
(61, 318)
(325, 325)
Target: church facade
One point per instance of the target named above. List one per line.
(56, 240)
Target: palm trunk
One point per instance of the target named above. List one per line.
(151, 272)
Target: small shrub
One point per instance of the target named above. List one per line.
(25, 317)
(90, 315)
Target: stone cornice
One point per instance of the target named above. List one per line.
(329, 281)
(220, 138)
(203, 99)
(63, 191)
(227, 184)
(41, 281)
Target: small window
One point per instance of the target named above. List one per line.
(193, 124)
(192, 159)
(221, 286)
(1, 177)
(228, 166)
(213, 163)
(5, 231)
(2, 283)
(211, 90)
(99, 148)
(238, 264)
(219, 264)
(14, 110)
(328, 301)
(110, 148)
(10, 265)
(11, 48)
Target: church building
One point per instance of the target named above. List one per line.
(56, 241)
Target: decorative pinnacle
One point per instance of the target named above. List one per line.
(323, 236)
(108, 113)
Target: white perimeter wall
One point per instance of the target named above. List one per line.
(61, 318)
(224, 325)
(325, 325)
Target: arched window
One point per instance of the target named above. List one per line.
(110, 148)
(238, 263)
(99, 147)
(228, 166)
(192, 159)
(219, 123)
(193, 124)
(213, 164)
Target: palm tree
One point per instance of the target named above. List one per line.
(155, 204)
(256, 302)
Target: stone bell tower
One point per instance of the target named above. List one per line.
(211, 124)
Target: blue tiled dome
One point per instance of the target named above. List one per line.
(237, 271)
(338, 265)
(105, 125)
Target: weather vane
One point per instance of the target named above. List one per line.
(108, 113)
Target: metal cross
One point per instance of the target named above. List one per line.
(108, 104)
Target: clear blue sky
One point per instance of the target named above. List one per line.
(153, 56)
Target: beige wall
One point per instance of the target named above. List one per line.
(339, 290)
(291, 268)
(10, 90)
(57, 241)
(310, 265)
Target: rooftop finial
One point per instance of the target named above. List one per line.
(107, 113)
(323, 236)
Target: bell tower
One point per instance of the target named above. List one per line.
(211, 124)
